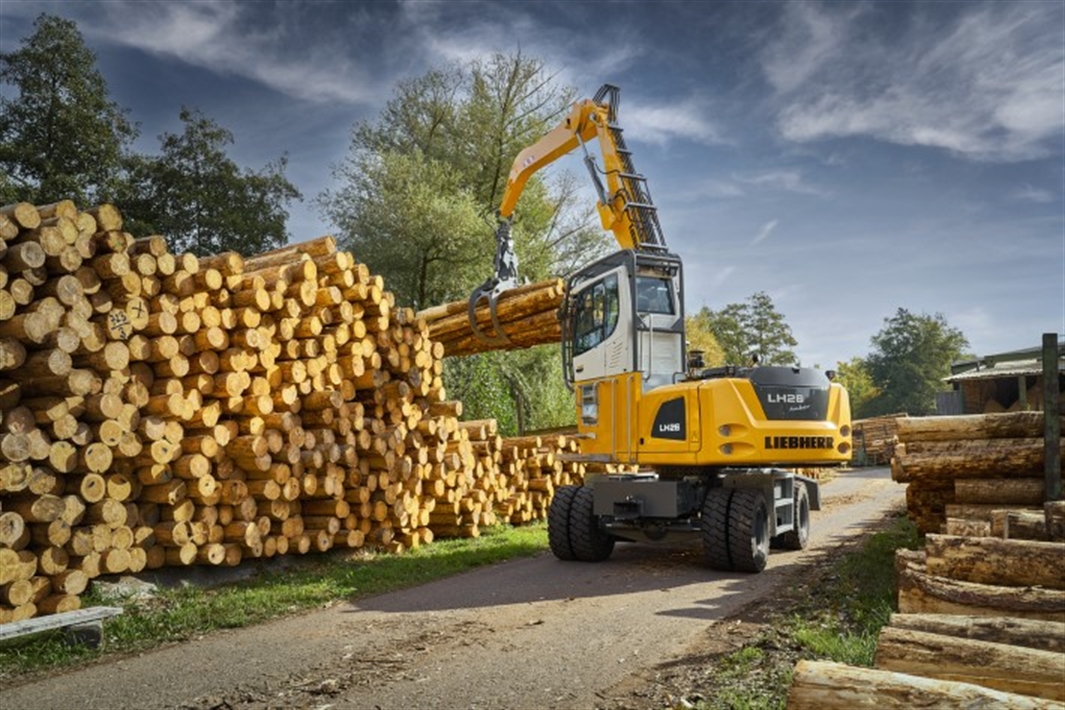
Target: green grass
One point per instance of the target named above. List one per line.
(859, 602)
(839, 621)
(184, 612)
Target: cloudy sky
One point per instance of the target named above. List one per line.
(847, 158)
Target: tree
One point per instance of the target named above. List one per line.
(202, 201)
(700, 335)
(752, 327)
(911, 355)
(416, 199)
(461, 126)
(855, 378)
(61, 137)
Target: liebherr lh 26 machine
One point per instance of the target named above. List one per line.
(711, 447)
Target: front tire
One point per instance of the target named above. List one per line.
(590, 543)
(558, 535)
(748, 531)
(714, 525)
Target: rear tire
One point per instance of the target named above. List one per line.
(748, 530)
(799, 538)
(558, 514)
(589, 542)
(714, 524)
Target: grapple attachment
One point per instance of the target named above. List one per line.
(505, 277)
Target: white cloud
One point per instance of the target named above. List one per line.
(660, 124)
(787, 180)
(988, 84)
(221, 37)
(1027, 193)
(765, 231)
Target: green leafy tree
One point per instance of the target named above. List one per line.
(911, 355)
(753, 327)
(855, 377)
(61, 137)
(201, 200)
(416, 198)
(700, 335)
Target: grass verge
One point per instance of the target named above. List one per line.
(186, 611)
(836, 616)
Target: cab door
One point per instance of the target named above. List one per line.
(602, 364)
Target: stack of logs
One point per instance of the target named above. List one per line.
(159, 409)
(981, 623)
(981, 619)
(875, 436)
(966, 467)
(526, 315)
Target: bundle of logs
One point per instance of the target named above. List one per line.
(875, 436)
(966, 467)
(526, 316)
(159, 409)
(981, 619)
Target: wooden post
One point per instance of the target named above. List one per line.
(1051, 392)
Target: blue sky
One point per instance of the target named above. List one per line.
(847, 158)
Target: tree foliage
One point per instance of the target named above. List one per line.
(752, 327)
(855, 378)
(203, 201)
(61, 137)
(456, 131)
(416, 199)
(911, 355)
(701, 337)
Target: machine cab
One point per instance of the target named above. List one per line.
(623, 324)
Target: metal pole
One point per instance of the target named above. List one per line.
(1051, 417)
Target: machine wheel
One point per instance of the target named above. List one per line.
(588, 541)
(748, 530)
(558, 513)
(714, 524)
(798, 538)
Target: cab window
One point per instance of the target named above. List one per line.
(596, 314)
(654, 295)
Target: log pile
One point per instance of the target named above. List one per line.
(527, 316)
(967, 467)
(981, 617)
(876, 437)
(981, 620)
(159, 409)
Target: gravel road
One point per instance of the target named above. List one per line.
(531, 633)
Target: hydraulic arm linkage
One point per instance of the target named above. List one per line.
(624, 202)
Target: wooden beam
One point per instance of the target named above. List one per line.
(1052, 433)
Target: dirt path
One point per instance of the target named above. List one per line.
(532, 633)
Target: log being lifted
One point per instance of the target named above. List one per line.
(822, 685)
(527, 315)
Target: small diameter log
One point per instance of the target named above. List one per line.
(822, 685)
(1013, 669)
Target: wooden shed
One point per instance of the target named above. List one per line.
(1006, 382)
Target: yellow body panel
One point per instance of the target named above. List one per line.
(722, 424)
